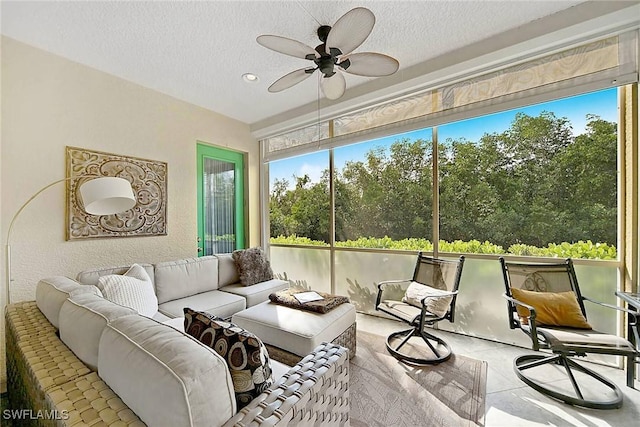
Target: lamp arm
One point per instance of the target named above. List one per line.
(17, 214)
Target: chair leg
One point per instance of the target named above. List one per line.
(441, 354)
(631, 369)
(523, 363)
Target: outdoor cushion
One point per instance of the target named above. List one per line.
(221, 304)
(227, 271)
(552, 308)
(255, 294)
(83, 317)
(91, 277)
(52, 292)
(166, 377)
(296, 331)
(416, 292)
(185, 277)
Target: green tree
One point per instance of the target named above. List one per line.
(529, 188)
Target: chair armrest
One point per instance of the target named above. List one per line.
(441, 295)
(315, 391)
(531, 319)
(532, 310)
(631, 313)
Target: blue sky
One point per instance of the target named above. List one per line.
(602, 103)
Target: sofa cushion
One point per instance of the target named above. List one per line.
(253, 267)
(221, 304)
(52, 292)
(176, 322)
(90, 277)
(227, 271)
(245, 354)
(83, 317)
(161, 317)
(186, 277)
(132, 289)
(166, 377)
(259, 292)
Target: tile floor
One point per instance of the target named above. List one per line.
(510, 402)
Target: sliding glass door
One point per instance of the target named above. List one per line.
(220, 200)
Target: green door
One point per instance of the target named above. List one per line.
(220, 200)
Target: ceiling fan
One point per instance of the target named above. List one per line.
(334, 55)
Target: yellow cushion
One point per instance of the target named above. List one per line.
(552, 308)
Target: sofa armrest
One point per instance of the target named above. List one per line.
(314, 392)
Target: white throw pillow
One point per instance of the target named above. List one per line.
(416, 292)
(132, 289)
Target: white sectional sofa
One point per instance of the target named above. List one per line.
(209, 283)
(88, 361)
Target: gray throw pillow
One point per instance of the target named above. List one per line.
(253, 267)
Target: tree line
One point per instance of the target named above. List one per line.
(533, 184)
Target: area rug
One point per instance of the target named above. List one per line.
(386, 392)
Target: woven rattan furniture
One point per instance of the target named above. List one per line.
(567, 339)
(44, 375)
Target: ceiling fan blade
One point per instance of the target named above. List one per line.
(333, 87)
(287, 46)
(288, 80)
(370, 64)
(351, 30)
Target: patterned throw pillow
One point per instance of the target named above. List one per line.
(245, 354)
(252, 266)
(132, 289)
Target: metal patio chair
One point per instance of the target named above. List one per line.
(545, 302)
(430, 298)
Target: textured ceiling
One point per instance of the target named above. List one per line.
(198, 51)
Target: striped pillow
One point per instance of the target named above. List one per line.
(132, 289)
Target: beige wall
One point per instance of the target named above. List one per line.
(48, 103)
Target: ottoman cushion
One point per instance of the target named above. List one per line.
(296, 331)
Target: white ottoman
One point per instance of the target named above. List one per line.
(298, 331)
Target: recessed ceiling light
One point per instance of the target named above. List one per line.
(249, 77)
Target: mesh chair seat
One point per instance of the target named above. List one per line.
(431, 297)
(588, 340)
(404, 311)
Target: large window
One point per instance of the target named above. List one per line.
(383, 190)
(299, 208)
(539, 181)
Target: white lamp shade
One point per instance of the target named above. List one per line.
(107, 195)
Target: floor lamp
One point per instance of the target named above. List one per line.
(101, 195)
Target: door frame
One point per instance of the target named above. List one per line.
(204, 150)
